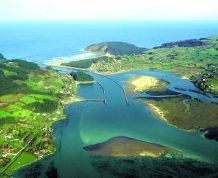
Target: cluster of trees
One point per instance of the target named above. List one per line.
(45, 106)
(86, 63)
(24, 64)
(81, 76)
(7, 120)
(201, 81)
(7, 84)
(185, 43)
(20, 70)
(21, 74)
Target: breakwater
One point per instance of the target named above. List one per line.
(98, 100)
(124, 92)
(101, 87)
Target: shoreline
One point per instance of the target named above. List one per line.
(141, 83)
(159, 114)
(72, 100)
(69, 101)
(58, 64)
(155, 110)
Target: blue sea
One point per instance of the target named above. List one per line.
(43, 41)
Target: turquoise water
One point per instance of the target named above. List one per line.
(93, 122)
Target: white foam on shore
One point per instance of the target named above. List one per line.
(77, 57)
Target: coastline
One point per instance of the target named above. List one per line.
(157, 112)
(141, 83)
(70, 100)
(45, 130)
(58, 64)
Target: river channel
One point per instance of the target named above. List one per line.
(92, 122)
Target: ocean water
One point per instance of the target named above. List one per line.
(43, 41)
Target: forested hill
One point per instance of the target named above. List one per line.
(115, 48)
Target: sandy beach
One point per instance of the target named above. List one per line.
(157, 111)
(55, 64)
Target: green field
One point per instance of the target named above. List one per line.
(23, 159)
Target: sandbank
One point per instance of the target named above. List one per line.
(143, 83)
(56, 64)
(125, 147)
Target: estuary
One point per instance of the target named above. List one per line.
(93, 122)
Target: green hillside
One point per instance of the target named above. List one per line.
(31, 100)
(196, 59)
